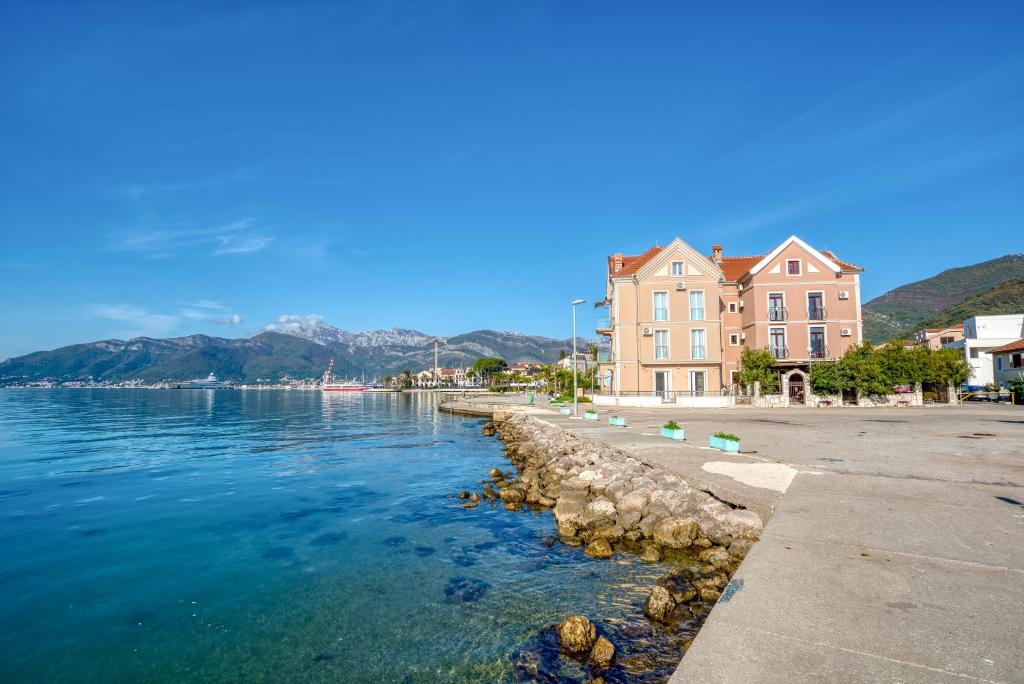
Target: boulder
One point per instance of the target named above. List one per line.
(598, 513)
(602, 655)
(512, 495)
(717, 556)
(599, 548)
(494, 473)
(463, 494)
(659, 604)
(675, 533)
(569, 508)
(628, 520)
(490, 494)
(634, 501)
(651, 552)
(576, 635)
(708, 594)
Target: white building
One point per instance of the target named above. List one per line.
(981, 335)
(583, 362)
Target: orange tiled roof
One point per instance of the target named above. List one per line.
(1012, 347)
(735, 267)
(845, 265)
(632, 264)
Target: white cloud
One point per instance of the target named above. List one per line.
(230, 238)
(138, 321)
(293, 322)
(232, 244)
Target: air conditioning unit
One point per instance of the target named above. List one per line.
(743, 336)
(648, 332)
(741, 303)
(845, 332)
(843, 294)
(680, 285)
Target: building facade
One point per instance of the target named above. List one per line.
(1007, 363)
(982, 334)
(937, 338)
(679, 320)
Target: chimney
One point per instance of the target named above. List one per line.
(617, 262)
(716, 253)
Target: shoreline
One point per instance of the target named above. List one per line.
(607, 502)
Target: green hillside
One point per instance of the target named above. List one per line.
(1006, 298)
(902, 310)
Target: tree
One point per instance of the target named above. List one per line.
(827, 378)
(946, 366)
(592, 350)
(862, 369)
(488, 367)
(758, 365)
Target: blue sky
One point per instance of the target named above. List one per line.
(448, 166)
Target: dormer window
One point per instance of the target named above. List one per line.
(677, 269)
(793, 267)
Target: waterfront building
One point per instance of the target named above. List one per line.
(583, 362)
(678, 320)
(1007, 362)
(937, 338)
(983, 334)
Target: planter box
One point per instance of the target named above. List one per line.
(565, 410)
(617, 421)
(678, 433)
(590, 415)
(730, 445)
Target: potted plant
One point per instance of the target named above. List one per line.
(590, 414)
(726, 441)
(672, 430)
(617, 421)
(565, 410)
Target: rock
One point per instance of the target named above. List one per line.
(684, 596)
(675, 533)
(533, 494)
(474, 497)
(488, 429)
(569, 508)
(494, 473)
(628, 520)
(512, 495)
(490, 494)
(739, 548)
(651, 553)
(718, 557)
(602, 655)
(470, 504)
(599, 548)
(633, 535)
(659, 604)
(546, 501)
(463, 494)
(513, 505)
(708, 594)
(576, 635)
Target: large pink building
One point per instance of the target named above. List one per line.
(679, 320)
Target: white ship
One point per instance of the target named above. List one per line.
(330, 386)
(211, 382)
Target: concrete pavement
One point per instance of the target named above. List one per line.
(896, 553)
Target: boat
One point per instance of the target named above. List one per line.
(329, 385)
(210, 382)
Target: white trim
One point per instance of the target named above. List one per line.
(791, 240)
(703, 307)
(807, 303)
(682, 269)
(737, 342)
(732, 307)
(691, 356)
(768, 299)
(668, 343)
(690, 378)
(799, 267)
(691, 256)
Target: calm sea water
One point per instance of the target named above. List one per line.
(274, 536)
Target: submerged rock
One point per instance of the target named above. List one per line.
(659, 604)
(599, 548)
(576, 634)
(651, 552)
(512, 495)
(602, 655)
(494, 473)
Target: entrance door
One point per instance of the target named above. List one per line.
(663, 384)
(698, 381)
(796, 389)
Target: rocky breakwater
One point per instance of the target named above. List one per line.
(607, 501)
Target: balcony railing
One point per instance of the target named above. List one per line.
(819, 351)
(698, 352)
(816, 314)
(780, 352)
(777, 313)
(604, 357)
(604, 324)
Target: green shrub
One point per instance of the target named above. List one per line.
(758, 365)
(672, 425)
(727, 435)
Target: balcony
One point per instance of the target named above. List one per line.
(777, 313)
(604, 326)
(604, 357)
(780, 352)
(818, 351)
(816, 314)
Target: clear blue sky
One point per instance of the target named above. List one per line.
(447, 166)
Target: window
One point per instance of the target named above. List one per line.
(677, 268)
(974, 353)
(661, 306)
(696, 305)
(776, 307)
(732, 307)
(734, 340)
(817, 345)
(815, 306)
(661, 344)
(945, 340)
(777, 342)
(792, 267)
(999, 363)
(1015, 361)
(698, 347)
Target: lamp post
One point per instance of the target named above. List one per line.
(575, 398)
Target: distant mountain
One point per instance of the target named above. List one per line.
(901, 311)
(293, 351)
(1005, 298)
(388, 352)
(268, 355)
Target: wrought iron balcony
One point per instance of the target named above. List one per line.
(816, 314)
(777, 313)
(780, 352)
(819, 351)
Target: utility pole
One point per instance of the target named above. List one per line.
(575, 398)
(435, 363)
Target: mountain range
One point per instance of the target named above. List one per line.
(294, 351)
(988, 288)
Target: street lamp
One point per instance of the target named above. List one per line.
(575, 398)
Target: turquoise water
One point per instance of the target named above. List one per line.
(151, 535)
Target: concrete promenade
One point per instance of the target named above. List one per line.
(894, 549)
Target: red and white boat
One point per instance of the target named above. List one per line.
(349, 386)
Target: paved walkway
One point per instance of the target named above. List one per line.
(895, 553)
